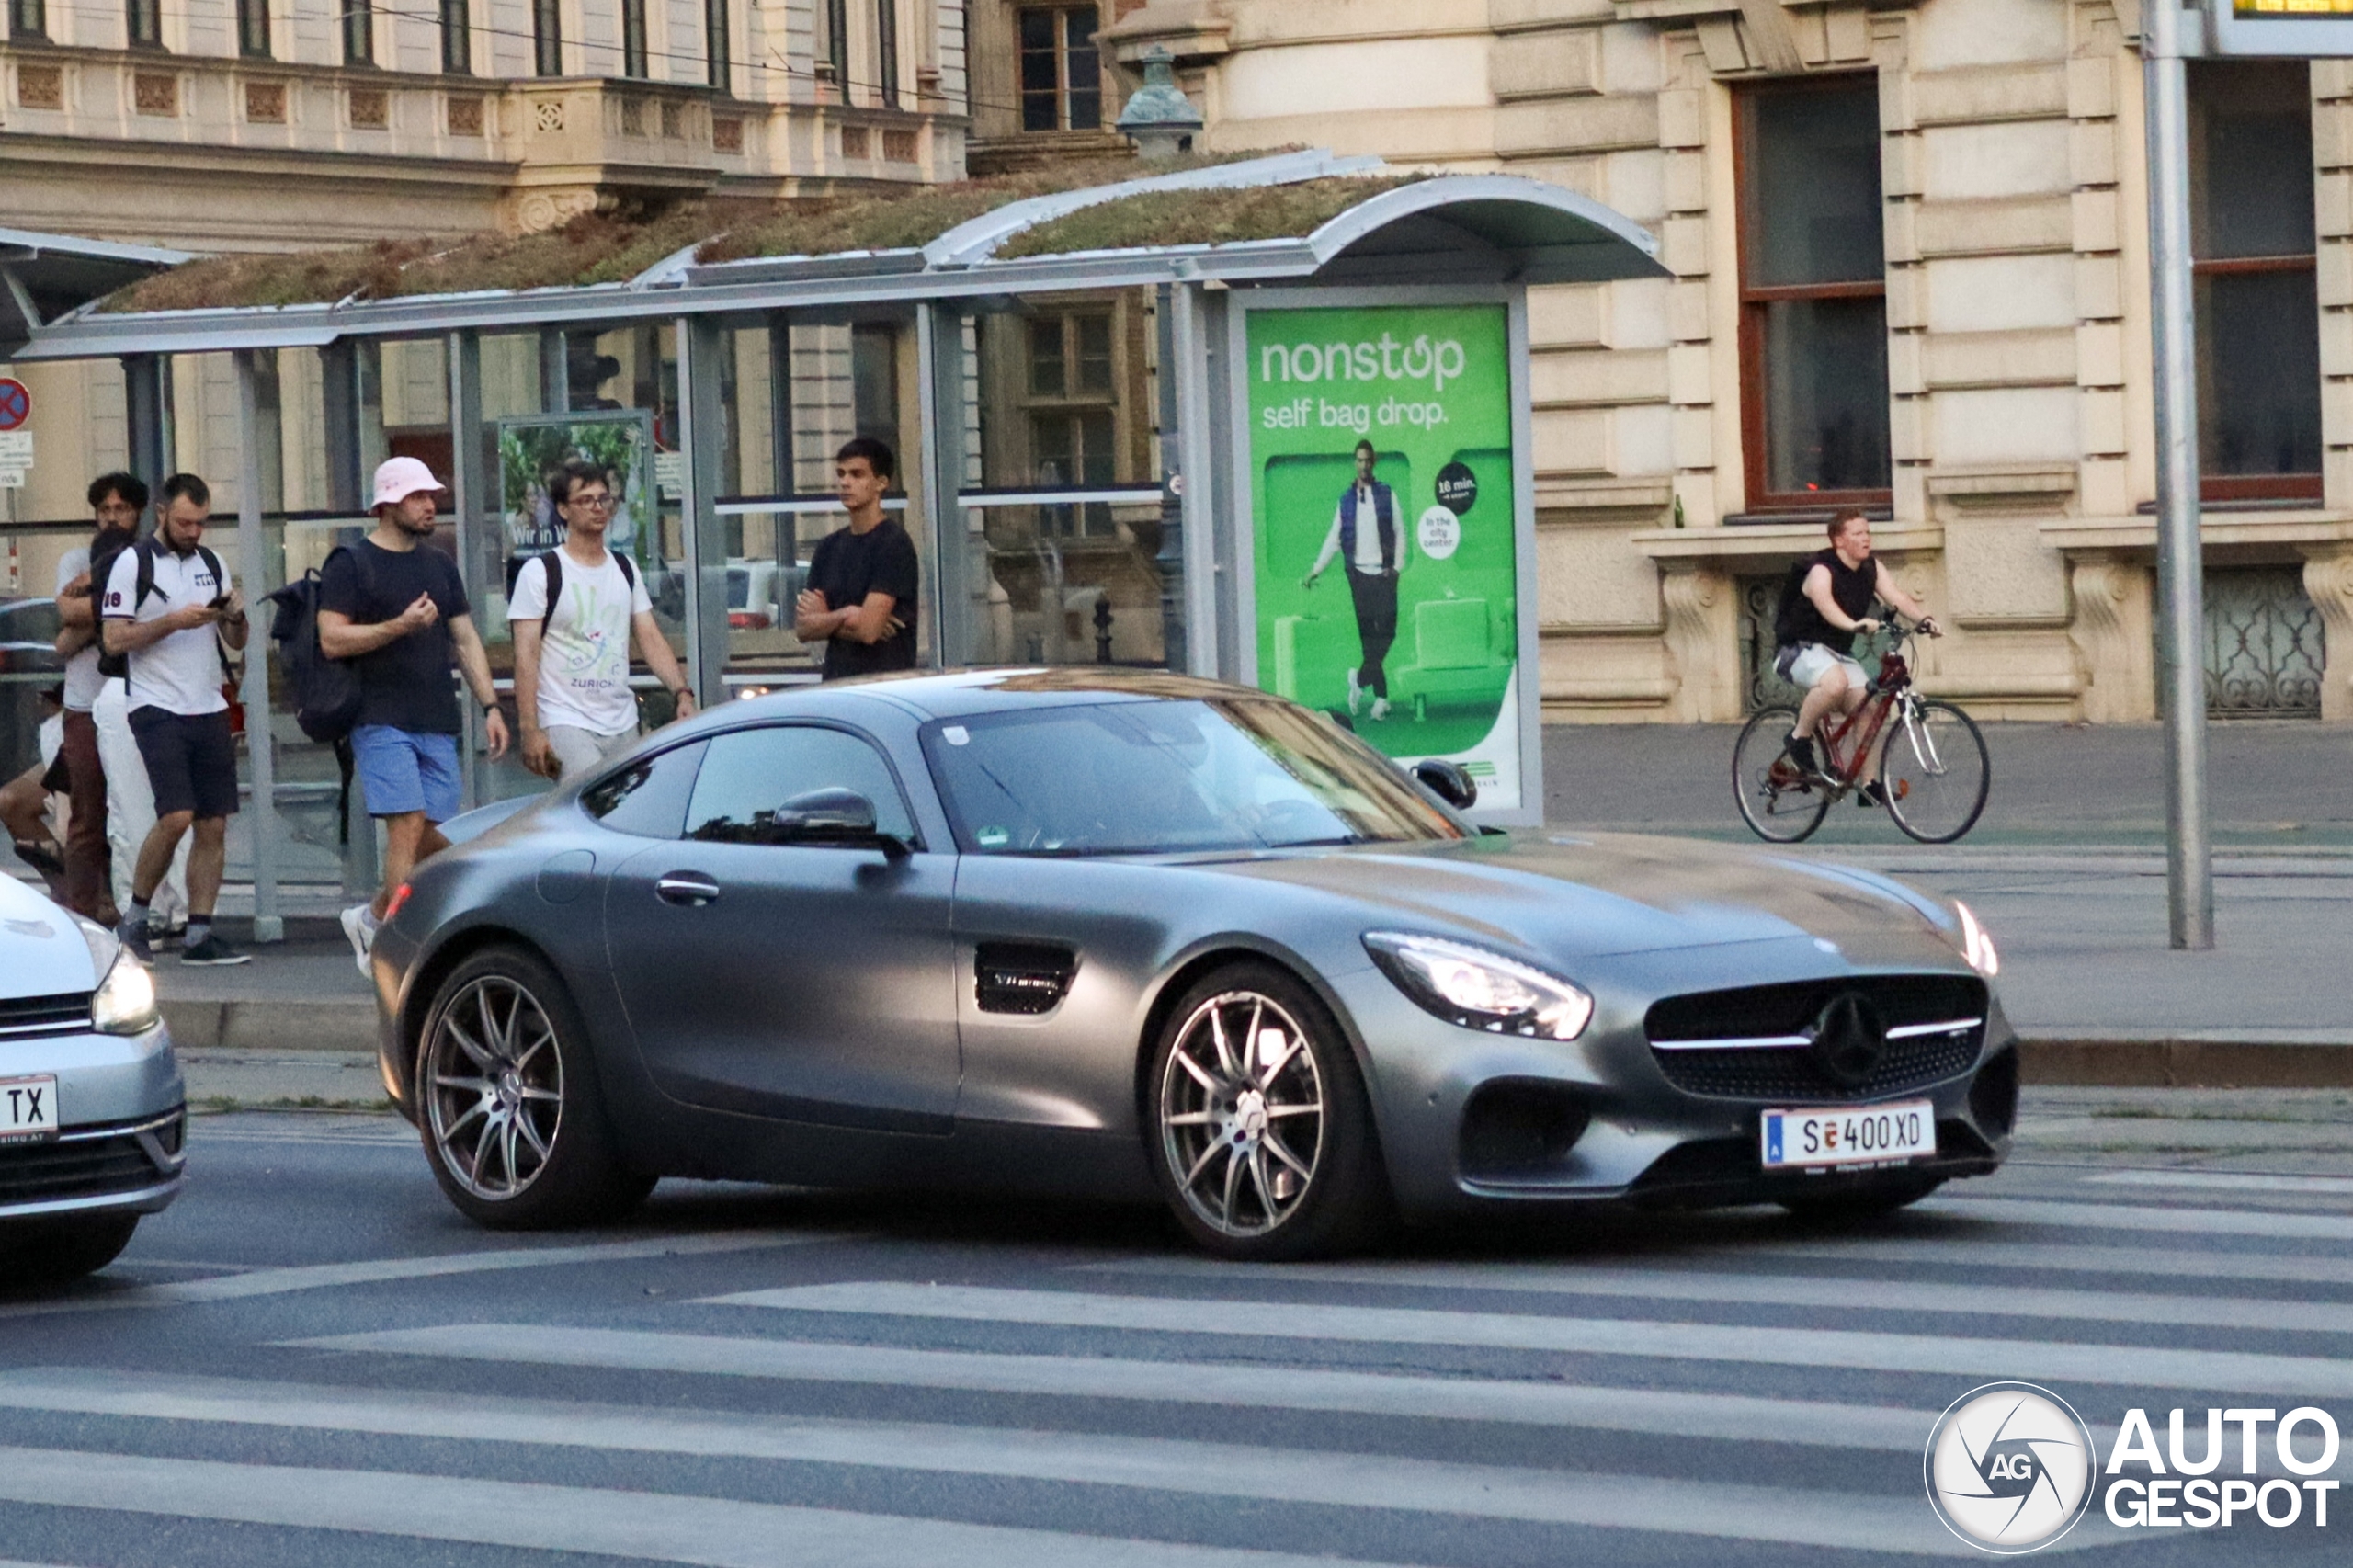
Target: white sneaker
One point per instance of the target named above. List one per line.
(1379, 709)
(1355, 694)
(354, 925)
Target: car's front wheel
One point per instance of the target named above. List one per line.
(59, 1252)
(1261, 1130)
(513, 1124)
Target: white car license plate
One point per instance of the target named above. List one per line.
(28, 1108)
(1848, 1135)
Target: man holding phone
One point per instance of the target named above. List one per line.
(169, 607)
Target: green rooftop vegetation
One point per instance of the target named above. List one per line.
(612, 248)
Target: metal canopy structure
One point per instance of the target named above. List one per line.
(1492, 233)
(50, 275)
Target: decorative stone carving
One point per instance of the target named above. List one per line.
(2113, 636)
(1702, 644)
(539, 209)
(2329, 579)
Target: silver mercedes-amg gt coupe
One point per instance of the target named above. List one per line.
(1115, 934)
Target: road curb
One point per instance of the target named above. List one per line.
(320, 1024)
(2250, 1060)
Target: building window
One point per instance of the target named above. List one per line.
(886, 51)
(456, 37)
(359, 32)
(146, 23)
(253, 29)
(547, 36)
(1812, 294)
(27, 18)
(836, 47)
(1073, 434)
(718, 50)
(2257, 306)
(633, 63)
(1062, 83)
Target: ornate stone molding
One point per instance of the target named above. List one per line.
(1193, 32)
(1702, 642)
(2112, 633)
(2329, 579)
(2038, 488)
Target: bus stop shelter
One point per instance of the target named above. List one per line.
(1126, 411)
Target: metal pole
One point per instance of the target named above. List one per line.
(702, 533)
(2181, 588)
(477, 525)
(270, 926)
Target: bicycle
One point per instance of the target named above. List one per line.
(1934, 776)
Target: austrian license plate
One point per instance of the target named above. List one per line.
(28, 1108)
(1848, 1135)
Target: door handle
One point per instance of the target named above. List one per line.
(680, 886)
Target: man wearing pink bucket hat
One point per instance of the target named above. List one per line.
(394, 606)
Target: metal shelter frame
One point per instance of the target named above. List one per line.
(1496, 232)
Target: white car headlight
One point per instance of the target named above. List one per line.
(1977, 943)
(1479, 989)
(125, 1000)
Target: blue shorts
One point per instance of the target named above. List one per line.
(404, 770)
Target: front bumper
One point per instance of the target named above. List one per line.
(122, 1145)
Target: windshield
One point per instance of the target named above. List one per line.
(1144, 778)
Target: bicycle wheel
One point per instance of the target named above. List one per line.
(1935, 772)
(1778, 804)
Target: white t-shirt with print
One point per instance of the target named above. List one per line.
(81, 676)
(181, 673)
(583, 657)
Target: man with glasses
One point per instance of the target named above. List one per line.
(573, 612)
(394, 606)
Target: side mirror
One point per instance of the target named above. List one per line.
(1447, 782)
(831, 816)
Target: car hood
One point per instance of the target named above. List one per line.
(42, 950)
(1589, 895)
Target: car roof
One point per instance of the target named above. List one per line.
(954, 694)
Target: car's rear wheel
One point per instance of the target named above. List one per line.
(1861, 1203)
(59, 1252)
(1780, 804)
(1261, 1130)
(513, 1126)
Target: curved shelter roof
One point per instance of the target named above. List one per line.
(1292, 218)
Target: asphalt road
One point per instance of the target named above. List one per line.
(312, 1360)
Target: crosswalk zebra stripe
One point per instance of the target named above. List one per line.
(1774, 1289)
(2228, 1181)
(708, 1532)
(2269, 1223)
(2061, 1257)
(1812, 1517)
(1663, 1412)
(2308, 1377)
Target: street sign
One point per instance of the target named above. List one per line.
(15, 403)
(2296, 29)
(15, 449)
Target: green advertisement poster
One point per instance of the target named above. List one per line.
(1387, 580)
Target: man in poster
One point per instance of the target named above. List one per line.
(1366, 535)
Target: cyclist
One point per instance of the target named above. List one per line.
(1826, 601)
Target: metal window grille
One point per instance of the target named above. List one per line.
(2266, 646)
(1760, 601)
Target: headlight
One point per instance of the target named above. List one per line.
(1977, 944)
(1481, 990)
(125, 1000)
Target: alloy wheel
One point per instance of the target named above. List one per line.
(494, 1088)
(1242, 1118)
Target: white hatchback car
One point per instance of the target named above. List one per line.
(93, 1114)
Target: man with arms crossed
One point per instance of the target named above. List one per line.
(868, 569)
(395, 607)
(571, 695)
(1365, 531)
(1822, 608)
(172, 634)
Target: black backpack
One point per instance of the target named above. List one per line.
(327, 691)
(116, 666)
(552, 562)
(1789, 616)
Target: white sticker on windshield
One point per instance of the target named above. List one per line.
(956, 735)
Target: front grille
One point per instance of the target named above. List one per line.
(1791, 1072)
(67, 1013)
(85, 1167)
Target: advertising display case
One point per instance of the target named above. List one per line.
(2293, 28)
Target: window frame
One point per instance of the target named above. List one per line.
(456, 37)
(1756, 301)
(914, 840)
(547, 37)
(1062, 53)
(886, 51)
(2226, 488)
(152, 13)
(718, 45)
(28, 20)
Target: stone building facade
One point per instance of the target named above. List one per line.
(1908, 243)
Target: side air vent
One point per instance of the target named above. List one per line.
(1022, 977)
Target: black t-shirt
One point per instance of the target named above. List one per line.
(406, 683)
(849, 565)
(1852, 588)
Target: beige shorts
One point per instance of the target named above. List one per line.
(579, 752)
(1814, 661)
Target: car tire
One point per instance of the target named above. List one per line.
(1862, 1203)
(1228, 1133)
(508, 1106)
(57, 1254)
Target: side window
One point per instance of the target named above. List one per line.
(749, 772)
(648, 798)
